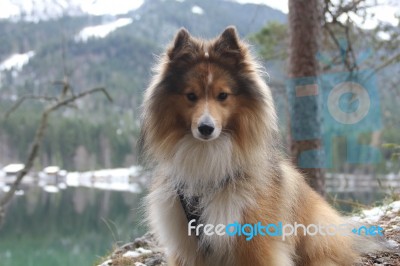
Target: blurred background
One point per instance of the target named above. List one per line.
(84, 191)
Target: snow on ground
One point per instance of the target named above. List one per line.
(13, 168)
(197, 10)
(51, 170)
(137, 252)
(16, 61)
(375, 214)
(101, 31)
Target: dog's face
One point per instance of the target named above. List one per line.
(206, 91)
(207, 100)
(204, 84)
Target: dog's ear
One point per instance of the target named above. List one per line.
(182, 41)
(229, 39)
(228, 45)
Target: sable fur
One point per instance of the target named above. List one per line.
(264, 186)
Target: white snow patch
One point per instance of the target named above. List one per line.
(8, 9)
(375, 214)
(13, 168)
(395, 206)
(197, 10)
(51, 170)
(16, 61)
(51, 189)
(137, 253)
(101, 31)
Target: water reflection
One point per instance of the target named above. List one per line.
(71, 219)
(52, 179)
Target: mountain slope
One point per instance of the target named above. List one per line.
(99, 134)
(122, 60)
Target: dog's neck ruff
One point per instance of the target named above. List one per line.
(199, 167)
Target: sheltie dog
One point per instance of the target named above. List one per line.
(209, 129)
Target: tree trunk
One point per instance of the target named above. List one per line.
(304, 24)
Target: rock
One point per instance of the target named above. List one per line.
(156, 260)
(143, 251)
(106, 263)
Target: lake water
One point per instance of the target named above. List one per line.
(68, 227)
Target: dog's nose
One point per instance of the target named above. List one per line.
(206, 129)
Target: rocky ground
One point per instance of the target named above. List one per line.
(144, 251)
(388, 217)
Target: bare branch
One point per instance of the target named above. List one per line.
(391, 60)
(26, 97)
(80, 95)
(388, 62)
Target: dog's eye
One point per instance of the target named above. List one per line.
(222, 96)
(191, 97)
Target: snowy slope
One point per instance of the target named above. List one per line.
(101, 31)
(16, 61)
(37, 10)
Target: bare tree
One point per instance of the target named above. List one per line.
(304, 25)
(63, 100)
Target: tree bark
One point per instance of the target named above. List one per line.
(305, 18)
